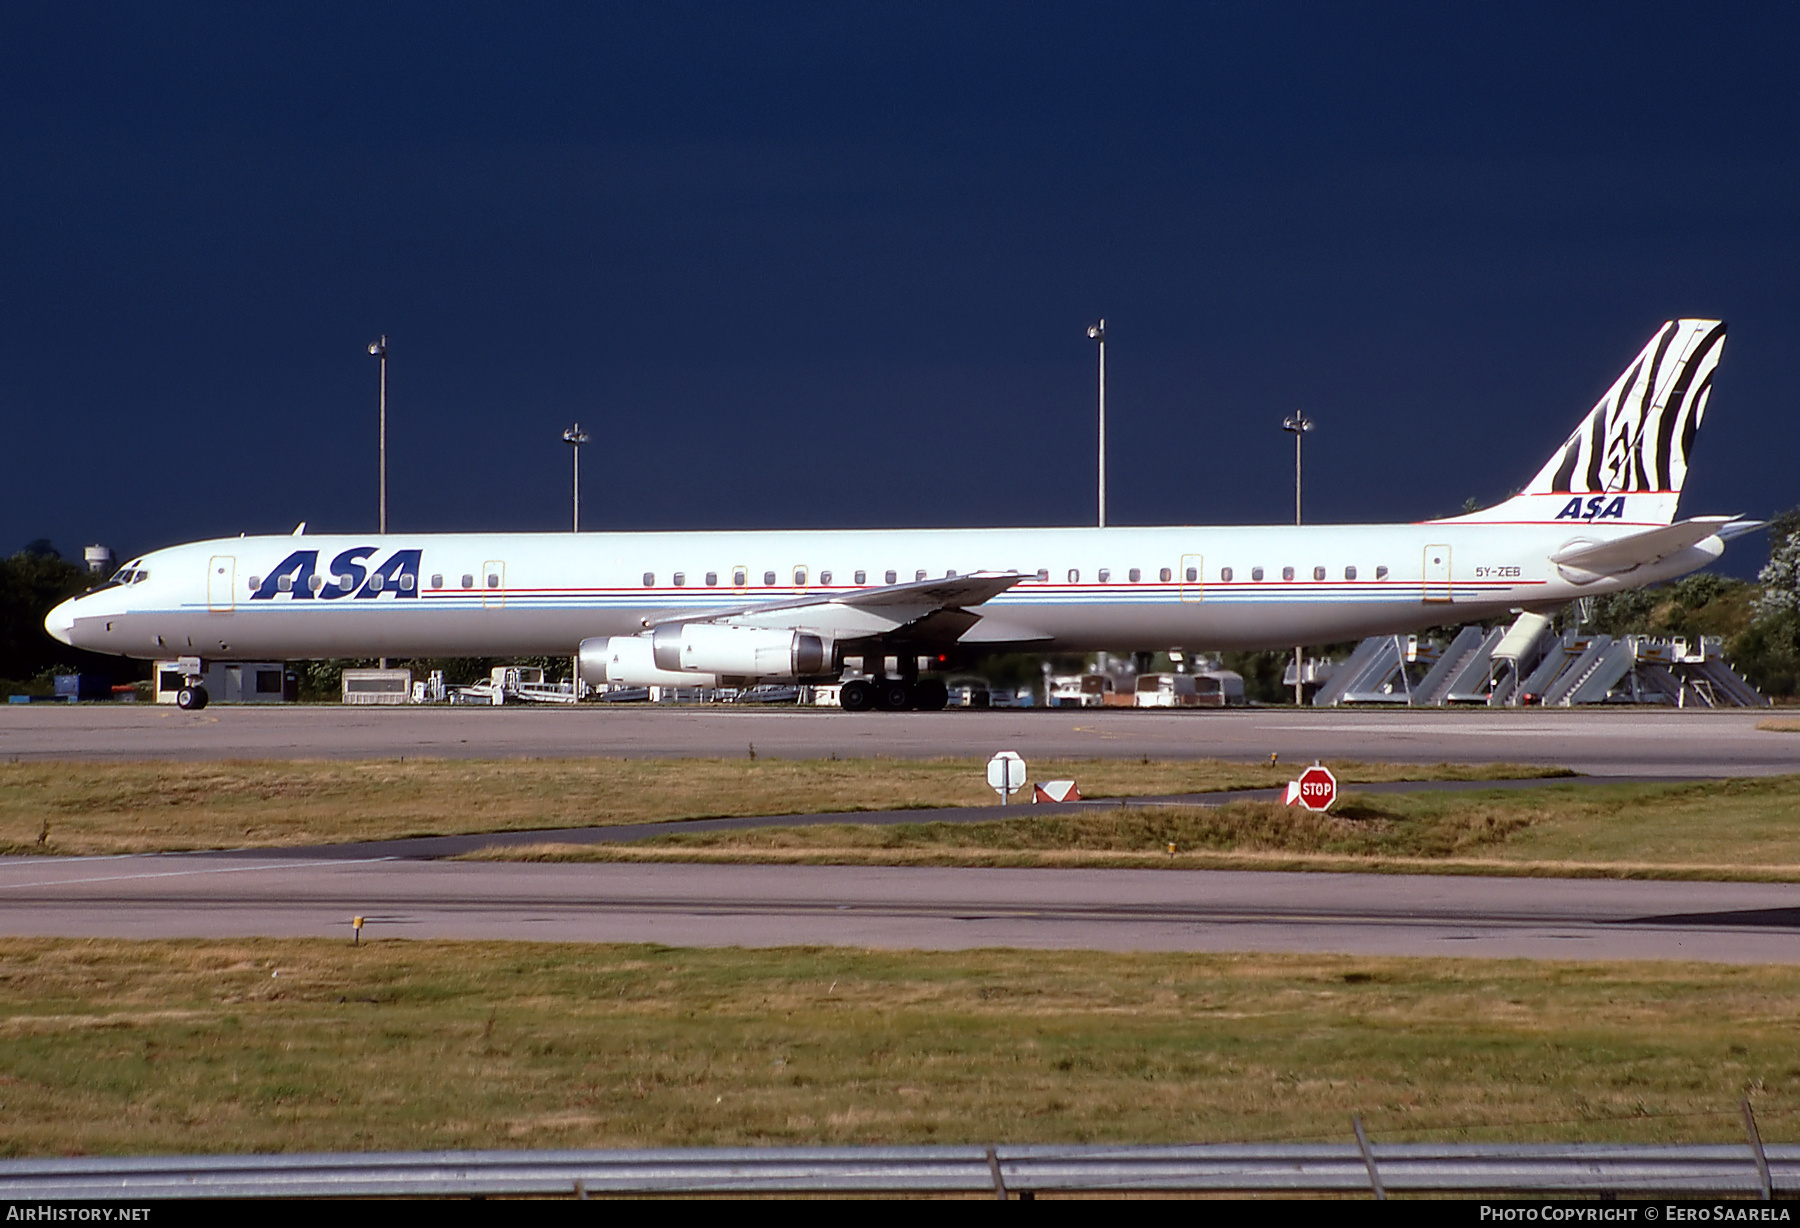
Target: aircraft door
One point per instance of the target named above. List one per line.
(221, 583)
(493, 584)
(1193, 576)
(1437, 573)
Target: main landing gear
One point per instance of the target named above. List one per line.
(893, 695)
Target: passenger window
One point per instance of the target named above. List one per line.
(1256, 573)
(1318, 573)
(1043, 574)
(1193, 575)
(1224, 575)
(376, 583)
(1135, 574)
(919, 574)
(285, 584)
(437, 580)
(1105, 574)
(1349, 573)
(1074, 575)
(769, 579)
(318, 582)
(493, 580)
(824, 577)
(799, 577)
(680, 579)
(1287, 573)
(255, 583)
(950, 575)
(1165, 573)
(891, 577)
(346, 583)
(407, 582)
(862, 577)
(712, 579)
(468, 581)
(1381, 573)
(740, 577)
(649, 580)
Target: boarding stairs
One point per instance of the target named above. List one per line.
(1461, 674)
(1376, 672)
(1529, 664)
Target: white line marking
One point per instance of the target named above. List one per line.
(263, 865)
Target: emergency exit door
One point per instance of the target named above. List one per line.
(1193, 576)
(221, 583)
(1437, 573)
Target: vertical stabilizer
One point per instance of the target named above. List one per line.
(1626, 462)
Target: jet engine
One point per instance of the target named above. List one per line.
(744, 652)
(627, 659)
(699, 654)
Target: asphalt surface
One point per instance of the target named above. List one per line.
(211, 896)
(1608, 742)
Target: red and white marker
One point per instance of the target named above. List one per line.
(1056, 791)
(1316, 789)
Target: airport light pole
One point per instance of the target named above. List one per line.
(575, 437)
(1297, 424)
(1098, 333)
(379, 350)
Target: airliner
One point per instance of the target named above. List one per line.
(886, 611)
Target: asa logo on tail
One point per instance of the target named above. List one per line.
(398, 574)
(1597, 509)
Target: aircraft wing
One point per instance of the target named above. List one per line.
(1582, 561)
(935, 608)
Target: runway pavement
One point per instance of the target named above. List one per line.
(217, 896)
(1605, 742)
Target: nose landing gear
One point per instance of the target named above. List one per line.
(191, 698)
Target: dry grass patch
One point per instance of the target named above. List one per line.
(400, 1045)
(1716, 829)
(84, 807)
(1779, 725)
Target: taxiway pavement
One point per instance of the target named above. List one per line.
(1609, 742)
(218, 896)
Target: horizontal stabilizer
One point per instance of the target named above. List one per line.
(1583, 561)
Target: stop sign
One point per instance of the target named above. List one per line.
(1316, 789)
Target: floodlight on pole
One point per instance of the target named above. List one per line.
(575, 437)
(1097, 332)
(1297, 424)
(378, 349)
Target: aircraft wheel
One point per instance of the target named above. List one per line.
(931, 695)
(191, 698)
(856, 695)
(893, 696)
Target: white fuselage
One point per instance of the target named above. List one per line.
(1117, 589)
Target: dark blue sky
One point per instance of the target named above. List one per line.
(833, 266)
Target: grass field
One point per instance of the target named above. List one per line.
(1731, 829)
(114, 1047)
(69, 808)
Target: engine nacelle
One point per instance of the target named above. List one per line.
(739, 652)
(629, 659)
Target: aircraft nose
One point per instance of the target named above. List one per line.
(60, 622)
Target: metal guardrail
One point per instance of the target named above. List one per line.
(1469, 1168)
